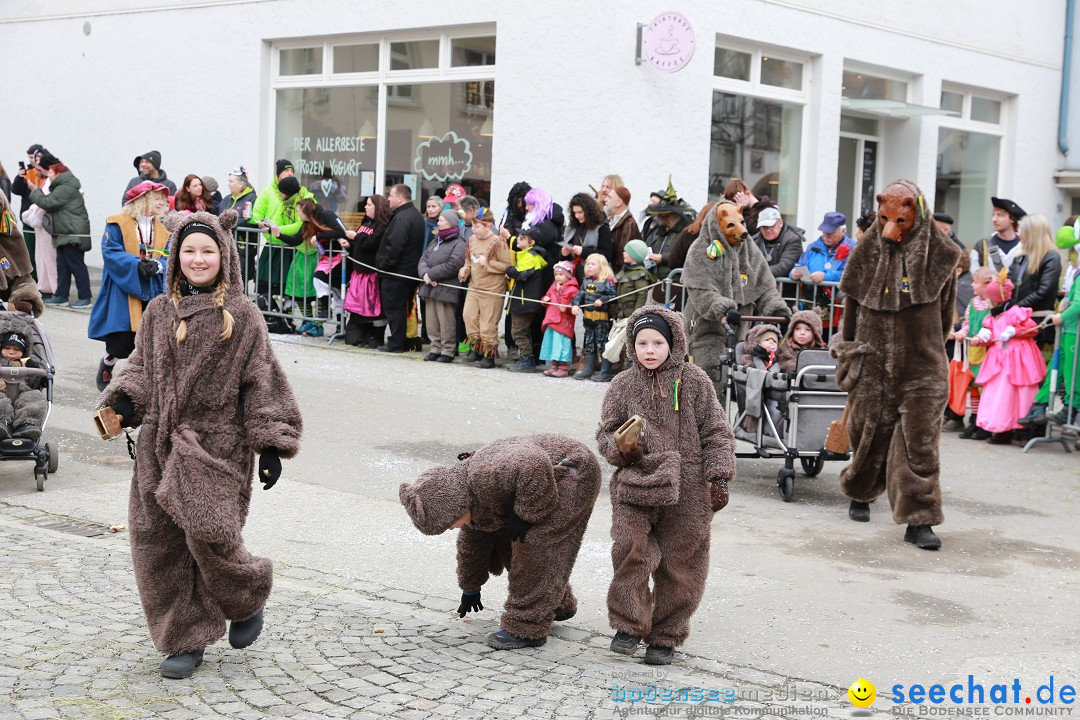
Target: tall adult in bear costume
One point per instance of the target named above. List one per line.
(663, 500)
(17, 286)
(900, 283)
(209, 394)
(726, 276)
(522, 504)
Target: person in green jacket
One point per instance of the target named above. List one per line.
(70, 229)
(275, 208)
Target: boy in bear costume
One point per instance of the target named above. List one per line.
(22, 409)
(522, 504)
(663, 496)
(900, 283)
(726, 276)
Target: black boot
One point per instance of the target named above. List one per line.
(1035, 416)
(624, 643)
(181, 665)
(1063, 417)
(974, 432)
(527, 364)
(590, 367)
(1001, 438)
(473, 356)
(659, 655)
(322, 308)
(244, 632)
(606, 374)
(922, 536)
(859, 511)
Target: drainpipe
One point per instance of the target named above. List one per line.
(1063, 111)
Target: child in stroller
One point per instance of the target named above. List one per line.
(23, 415)
(761, 349)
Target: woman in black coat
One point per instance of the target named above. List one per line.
(587, 232)
(1037, 271)
(366, 325)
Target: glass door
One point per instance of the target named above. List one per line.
(856, 176)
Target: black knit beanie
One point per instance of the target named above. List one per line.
(657, 323)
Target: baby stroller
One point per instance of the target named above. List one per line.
(45, 455)
(784, 414)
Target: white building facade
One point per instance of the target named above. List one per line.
(816, 103)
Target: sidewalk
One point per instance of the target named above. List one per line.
(73, 643)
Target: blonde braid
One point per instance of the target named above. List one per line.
(174, 296)
(219, 302)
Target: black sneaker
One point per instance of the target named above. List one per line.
(473, 356)
(859, 511)
(503, 640)
(922, 536)
(486, 363)
(624, 643)
(244, 632)
(431, 357)
(181, 665)
(445, 359)
(659, 655)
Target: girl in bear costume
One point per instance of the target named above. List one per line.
(804, 333)
(900, 283)
(209, 394)
(663, 497)
(543, 486)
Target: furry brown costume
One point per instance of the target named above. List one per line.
(191, 566)
(23, 415)
(661, 510)
(17, 285)
(736, 277)
(753, 340)
(900, 283)
(789, 351)
(514, 476)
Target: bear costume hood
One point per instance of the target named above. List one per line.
(810, 318)
(887, 276)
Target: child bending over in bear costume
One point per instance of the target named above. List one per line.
(664, 492)
(544, 486)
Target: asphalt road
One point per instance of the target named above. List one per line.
(794, 589)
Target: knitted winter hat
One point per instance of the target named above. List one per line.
(153, 157)
(16, 339)
(451, 217)
(652, 321)
(637, 249)
(289, 186)
(210, 184)
(437, 499)
(196, 227)
(564, 266)
(281, 166)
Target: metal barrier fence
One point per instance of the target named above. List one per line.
(1065, 380)
(280, 280)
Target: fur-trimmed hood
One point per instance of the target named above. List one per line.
(222, 227)
(810, 318)
(887, 277)
(753, 340)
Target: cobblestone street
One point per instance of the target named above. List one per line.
(75, 645)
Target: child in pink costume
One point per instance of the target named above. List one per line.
(1013, 369)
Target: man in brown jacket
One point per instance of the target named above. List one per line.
(542, 486)
(624, 227)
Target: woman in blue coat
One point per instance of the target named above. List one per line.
(135, 251)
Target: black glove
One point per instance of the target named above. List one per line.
(470, 602)
(269, 467)
(761, 352)
(125, 408)
(517, 528)
(512, 272)
(32, 363)
(734, 317)
(785, 314)
(148, 269)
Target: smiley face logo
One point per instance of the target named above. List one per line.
(862, 693)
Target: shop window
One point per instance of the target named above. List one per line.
(862, 86)
(414, 55)
(758, 140)
(472, 52)
(967, 175)
(300, 61)
(732, 64)
(985, 110)
(331, 129)
(356, 58)
(952, 101)
(781, 73)
(443, 139)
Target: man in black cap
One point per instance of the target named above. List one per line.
(1000, 249)
(149, 167)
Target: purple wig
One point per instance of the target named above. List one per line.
(541, 201)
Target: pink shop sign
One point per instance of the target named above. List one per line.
(667, 42)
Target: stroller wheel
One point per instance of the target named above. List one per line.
(812, 465)
(785, 484)
(52, 451)
(40, 476)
